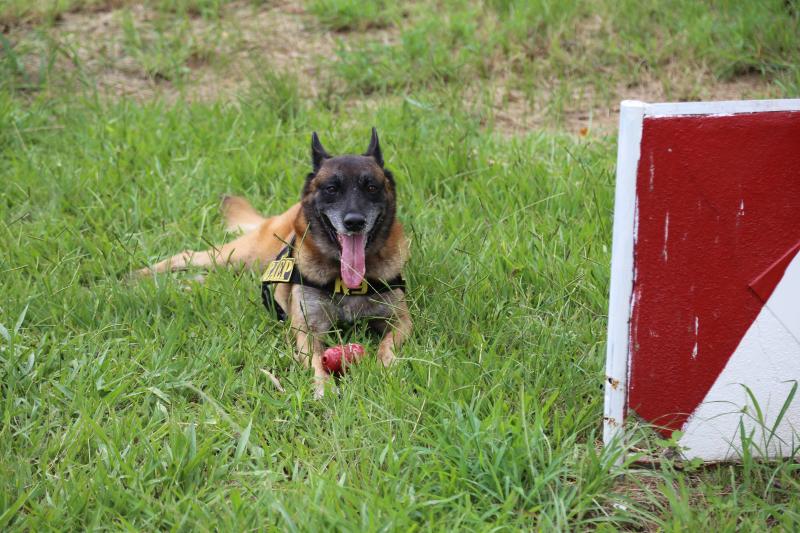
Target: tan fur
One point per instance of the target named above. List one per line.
(252, 250)
(240, 215)
(310, 316)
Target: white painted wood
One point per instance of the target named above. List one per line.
(720, 108)
(785, 304)
(622, 275)
(767, 361)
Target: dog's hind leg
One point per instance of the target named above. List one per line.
(240, 215)
(251, 250)
(237, 252)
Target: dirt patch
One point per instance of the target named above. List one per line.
(97, 45)
(583, 107)
(586, 110)
(135, 51)
(132, 51)
(39, 11)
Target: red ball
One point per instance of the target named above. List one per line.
(349, 353)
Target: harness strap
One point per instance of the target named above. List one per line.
(278, 272)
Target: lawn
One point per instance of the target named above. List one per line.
(147, 405)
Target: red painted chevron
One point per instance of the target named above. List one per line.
(718, 205)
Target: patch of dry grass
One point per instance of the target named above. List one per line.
(207, 51)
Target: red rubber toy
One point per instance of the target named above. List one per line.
(333, 357)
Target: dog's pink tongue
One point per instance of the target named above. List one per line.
(353, 267)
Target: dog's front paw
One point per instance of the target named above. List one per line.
(319, 390)
(323, 381)
(387, 357)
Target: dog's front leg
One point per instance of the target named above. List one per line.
(309, 352)
(309, 321)
(398, 331)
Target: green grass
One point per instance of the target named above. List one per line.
(143, 405)
(559, 51)
(49, 11)
(352, 15)
(41, 11)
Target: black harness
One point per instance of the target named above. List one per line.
(284, 270)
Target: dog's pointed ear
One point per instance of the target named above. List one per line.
(318, 153)
(374, 149)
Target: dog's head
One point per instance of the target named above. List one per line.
(349, 202)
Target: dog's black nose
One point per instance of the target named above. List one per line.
(354, 222)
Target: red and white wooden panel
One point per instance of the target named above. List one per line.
(704, 316)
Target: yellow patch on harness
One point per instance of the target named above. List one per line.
(279, 271)
(340, 288)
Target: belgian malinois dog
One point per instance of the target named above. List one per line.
(334, 257)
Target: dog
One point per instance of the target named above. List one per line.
(335, 257)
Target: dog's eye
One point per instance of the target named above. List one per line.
(331, 189)
(372, 189)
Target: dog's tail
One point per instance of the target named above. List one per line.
(240, 215)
